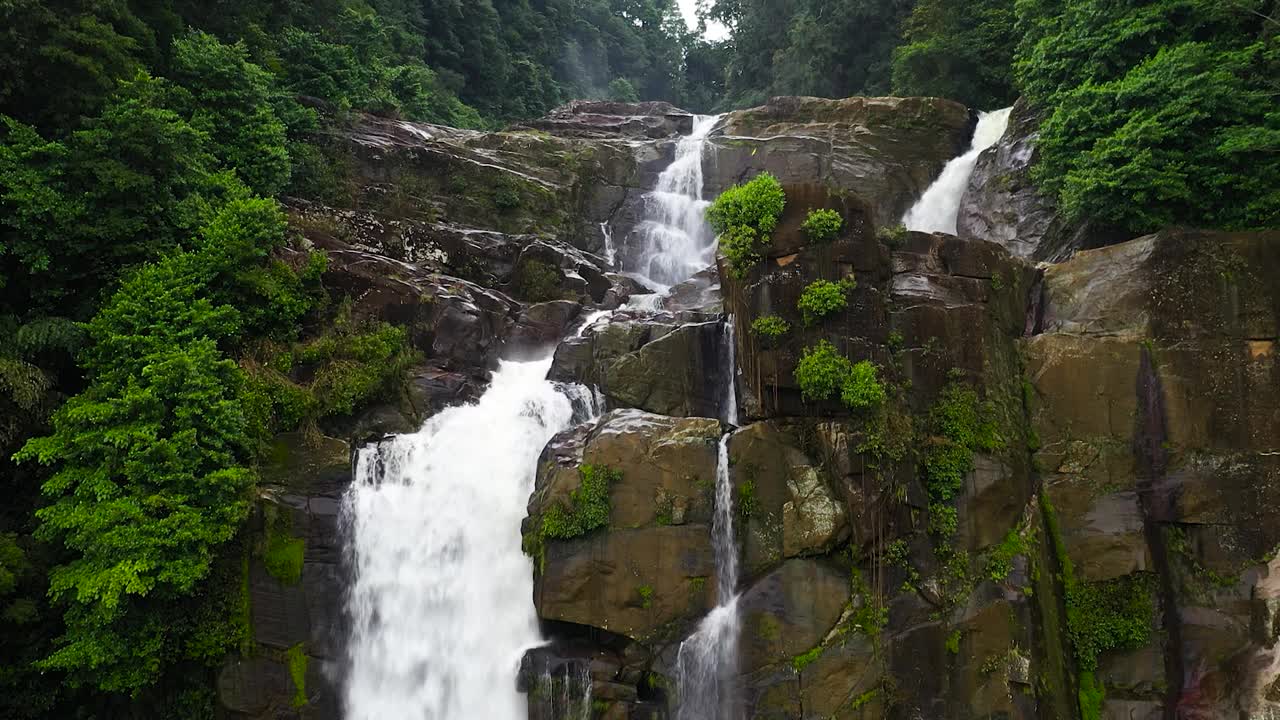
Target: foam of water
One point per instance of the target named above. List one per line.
(937, 209)
(442, 600)
(591, 322)
(676, 239)
(707, 662)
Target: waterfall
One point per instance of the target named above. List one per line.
(731, 391)
(937, 209)
(676, 240)
(707, 662)
(610, 252)
(442, 600)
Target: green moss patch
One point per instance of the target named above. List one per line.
(961, 426)
(282, 553)
(588, 505)
(296, 658)
(805, 659)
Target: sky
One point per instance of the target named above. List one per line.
(715, 31)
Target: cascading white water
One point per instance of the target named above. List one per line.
(731, 391)
(707, 662)
(442, 600)
(937, 209)
(676, 239)
(610, 252)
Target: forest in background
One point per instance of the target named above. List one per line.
(152, 308)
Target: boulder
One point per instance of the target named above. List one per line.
(789, 611)
(680, 373)
(647, 572)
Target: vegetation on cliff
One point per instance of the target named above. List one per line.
(744, 216)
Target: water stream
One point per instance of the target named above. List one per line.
(939, 206)
(707, 663)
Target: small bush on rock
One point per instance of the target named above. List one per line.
(821, 372)
(862, 389)
(536, 281)
(745, 216)
(822, 226)
(506, 199)
(741, 247)
(892, 235)
(823, 297)
(770, 327)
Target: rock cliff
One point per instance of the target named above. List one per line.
(1068, 503)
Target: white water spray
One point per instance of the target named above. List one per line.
(441, 604)
(937, 209)
(676, 239)
(707, 662)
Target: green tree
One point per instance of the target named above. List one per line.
(622, 90)
(151, 463)
(828, 48)
(1155, 113)
(230, 102)
(962, 51)
(59, 60)
(129, 185)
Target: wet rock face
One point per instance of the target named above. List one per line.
(1156, 396)
(293, 579)
(604, 119)
(654, 364)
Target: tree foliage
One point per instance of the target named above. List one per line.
(1155, 113)
(827, 48)
(152, 462)
(962, 51)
